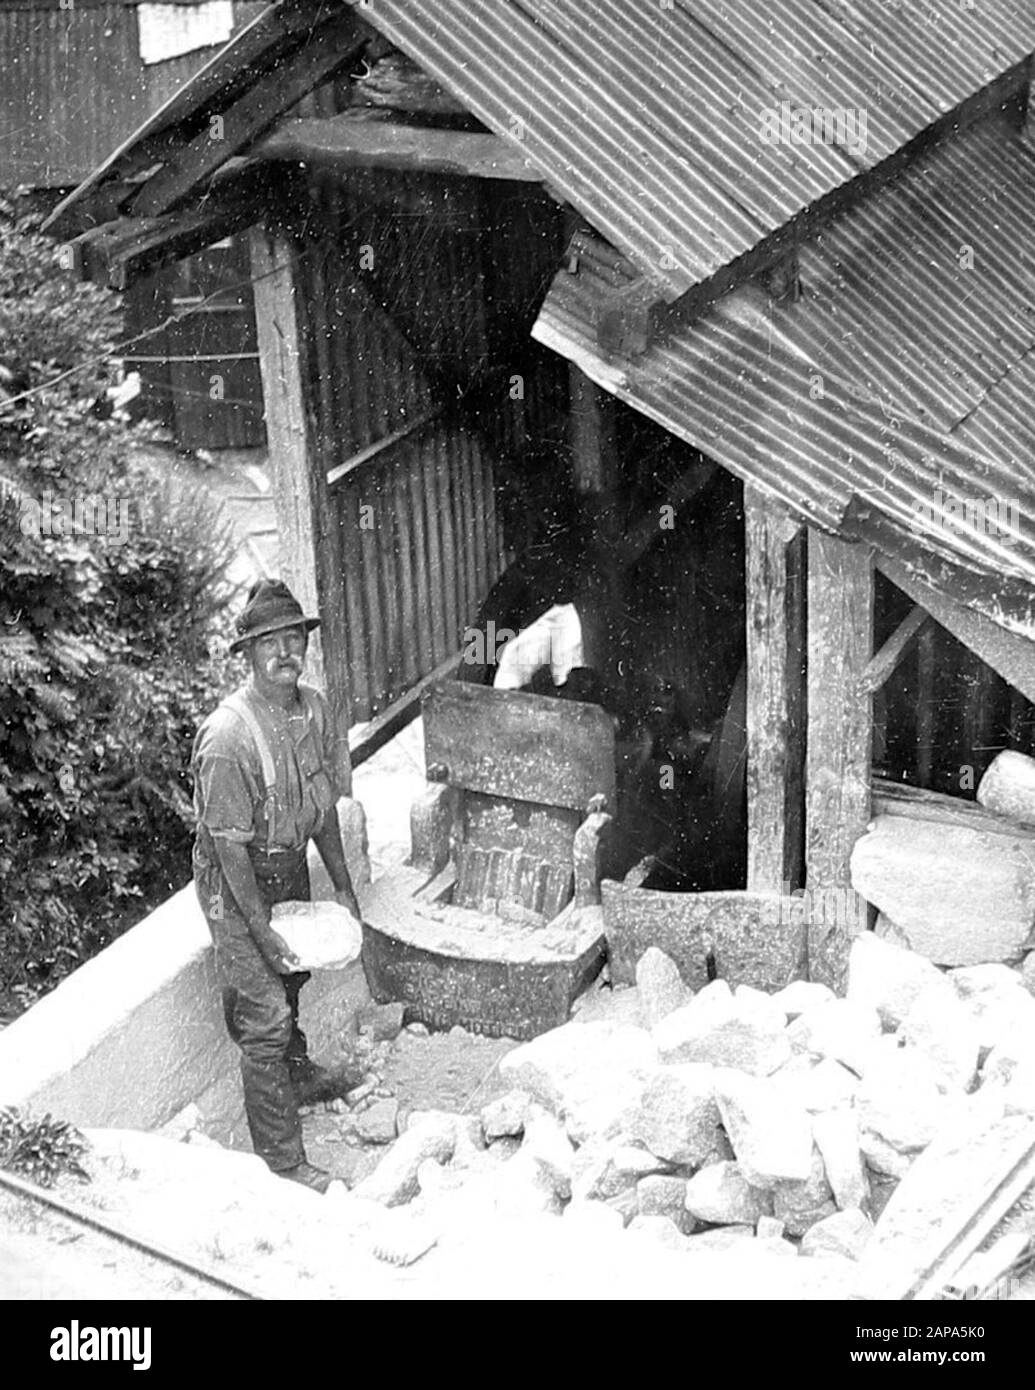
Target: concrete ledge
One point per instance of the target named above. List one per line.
(137, 1033)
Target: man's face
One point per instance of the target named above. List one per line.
(278, 657)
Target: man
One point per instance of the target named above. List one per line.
(264, 785)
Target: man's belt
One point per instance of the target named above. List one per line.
(277, 856)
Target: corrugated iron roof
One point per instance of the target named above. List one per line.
(648, 117)
(898, 384)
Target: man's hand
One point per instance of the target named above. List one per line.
(275, 951)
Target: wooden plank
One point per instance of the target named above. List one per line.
(837, 767)
(127, 248)
(380, 446)
(330, 48)
(308, 561)
(594, 453)
(963, 1186)
(775, 682)
(880, 668)
(508, 743)
(645, 532)
(900, 799)
(925, 704)
(249, 51)
(345, 142)
(1012, 655)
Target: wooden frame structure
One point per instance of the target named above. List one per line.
(812, 671)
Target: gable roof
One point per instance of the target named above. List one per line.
(899, 385)
(648, 116)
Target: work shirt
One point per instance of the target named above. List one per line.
(230, 795)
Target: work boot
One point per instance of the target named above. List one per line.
(313, 1083)
(308, 1176)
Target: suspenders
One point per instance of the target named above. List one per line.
(238, 705)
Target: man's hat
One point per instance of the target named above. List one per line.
(270, 606)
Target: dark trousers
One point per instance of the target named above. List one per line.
(260, 1006)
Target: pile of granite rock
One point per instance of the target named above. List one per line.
(731, 1120)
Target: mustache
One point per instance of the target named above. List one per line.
(292, 662)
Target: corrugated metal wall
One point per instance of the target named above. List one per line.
(451, 283)
(73, 86)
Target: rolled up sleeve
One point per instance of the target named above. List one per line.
(224, 790)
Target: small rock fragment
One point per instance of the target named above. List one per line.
(661, 1195)
(721, 1195)
(658, 1229)
(844, 1233)
(661, 986)
(1000, 1006)
(840, 1030)
(904, 1100)
(800, 996)
(1008, 786)
(940, 1026)
(548, 1144)
(769, 1228)
(799, 1205)
(385, 1021)
(584, 1073)
(675, 1115)
(604, 1168)
(717, 1029)
(814, 1085)
(885, 977)
(625, 1204)
(771, 1138)
(394, 1180)
(506, 1116)
(836, 1133)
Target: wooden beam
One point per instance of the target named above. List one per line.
(594, 451)
(307, 547)
(252, 51)
(121, 250)
(838, 754)
(332, 47)
(919, 803)
(367, 739)
(644, 532)
(880, 668)
(372, 451)
(775, 582)
(1012, 655)
(343, 142)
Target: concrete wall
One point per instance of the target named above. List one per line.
(137, 1033)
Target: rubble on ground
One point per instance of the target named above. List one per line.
(728, 1126)
(751, 1124)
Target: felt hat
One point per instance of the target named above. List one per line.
(270, 606)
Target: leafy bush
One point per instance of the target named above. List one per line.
(110, 637)
(40, 1150)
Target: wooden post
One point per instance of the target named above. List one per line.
(775, 579)
(925, 705)
(840, 737)
(593, 437)
(299, 471)
(596, 473)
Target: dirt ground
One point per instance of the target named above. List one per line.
(455, 1071)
